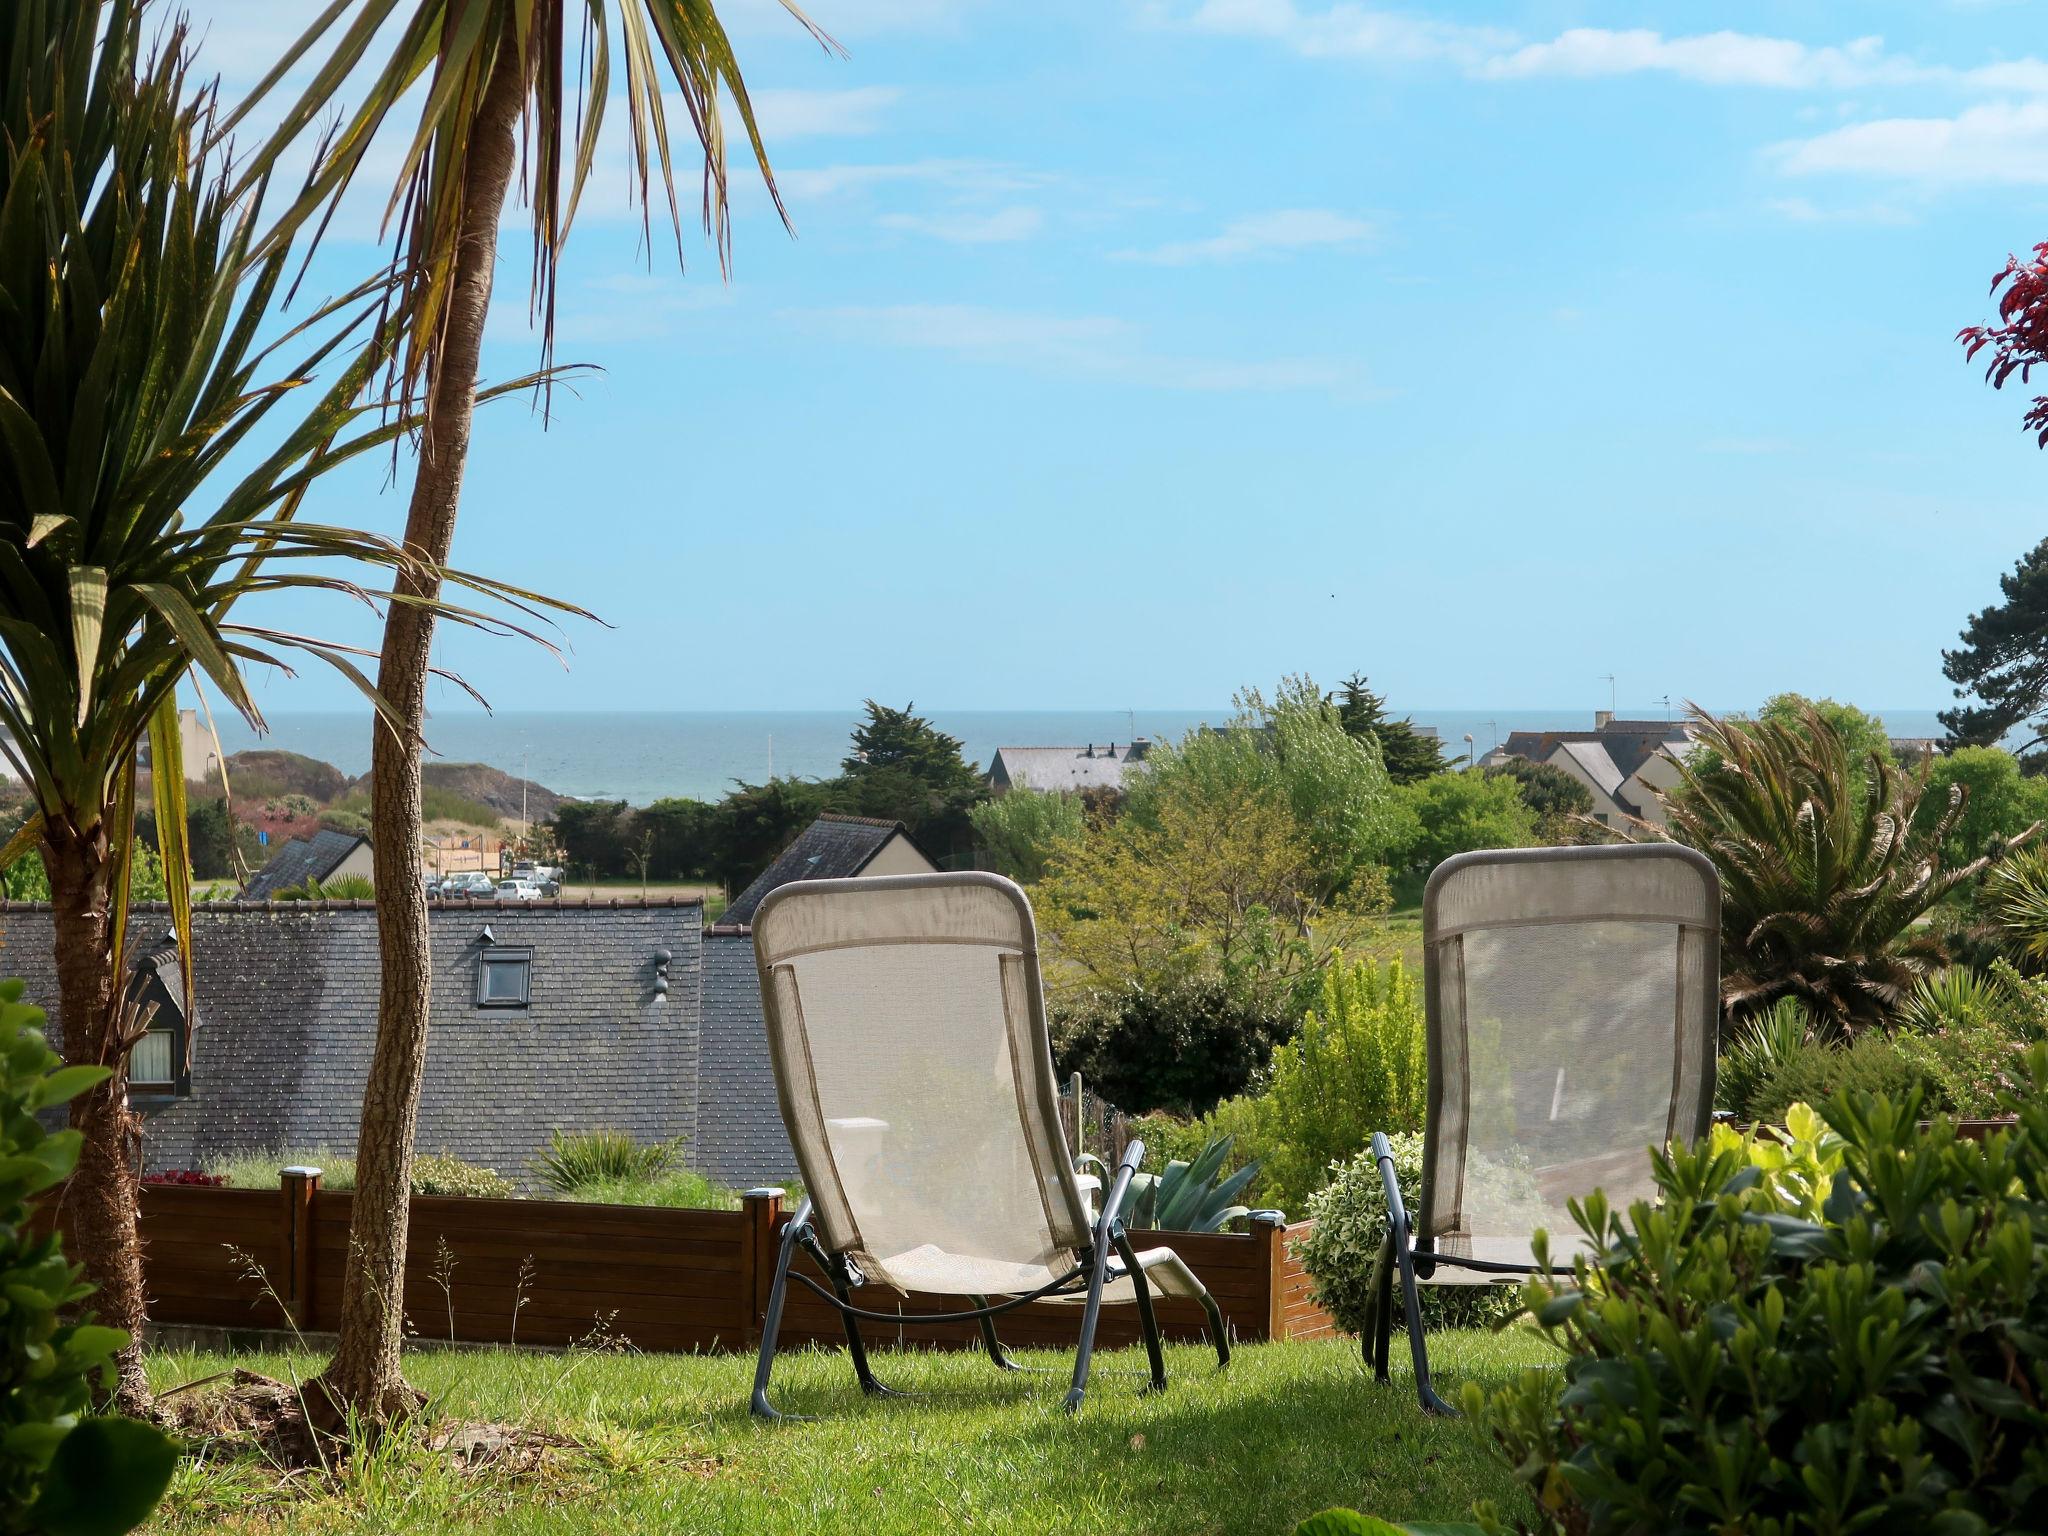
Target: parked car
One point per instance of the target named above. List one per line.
(475, 883)
(518, 890)
(433, 886)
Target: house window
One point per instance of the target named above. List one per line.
(153, 1061)
(504, 976)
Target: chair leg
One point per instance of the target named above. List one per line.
(1418, 1349)
(1084, 1355)
(1219, 1333)
(1379, 1310)
(834, 1267)
(771, 1323)
(1402, 1237)
(991, 1343)
(1147, 1321)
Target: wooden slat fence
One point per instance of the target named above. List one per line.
(557, 1272)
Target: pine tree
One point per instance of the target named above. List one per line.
(1409, 755)
(2003, 662)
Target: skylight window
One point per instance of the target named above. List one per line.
(504, 976)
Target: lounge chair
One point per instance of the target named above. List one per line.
(1572, 998)
(906, 1022)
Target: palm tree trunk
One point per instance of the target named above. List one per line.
(100, 1198)
(366, 1373)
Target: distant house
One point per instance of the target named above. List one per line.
(833, 847)
(324, 856)
(739, 1123)
(1058, 768)
(545, 1015)
(1623, 763)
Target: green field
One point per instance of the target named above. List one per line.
(663, 1443)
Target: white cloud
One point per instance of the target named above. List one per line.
(1800, 210)
(1712, 58)
(1998, 142)
(1262, 234)
(1348, 30)
(789, 114)
(984, 177)
(1004, 225)
(1097, 345)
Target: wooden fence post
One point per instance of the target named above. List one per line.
(762, 1208)
(1269, 1232)
(298, 1186)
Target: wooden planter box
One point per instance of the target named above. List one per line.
(555, 1272)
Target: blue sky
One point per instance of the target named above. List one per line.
(1133, 350)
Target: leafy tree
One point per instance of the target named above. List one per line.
(1294, 753)
(680, 837)
(1179, 1049)
(1215, 881)
(2002, 664)
(592, 835)
(756, 822)
(1020, 831)
(903, 768)
(1458, 812)
(1553, 796)
(2000, 802)
(1408, 754)
(2019, 342)
(1826, 868)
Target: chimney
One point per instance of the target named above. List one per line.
(1602, 718)
(1091, 749)
(1135, 752)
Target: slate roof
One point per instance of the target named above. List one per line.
(833, 847)
(302, 859)
(287, 1002)
(740, 1139)
(1059, 768)
(1594, 762)
(1629, 743)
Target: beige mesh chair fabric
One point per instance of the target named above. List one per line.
(907, 1027)
(1573, 1003)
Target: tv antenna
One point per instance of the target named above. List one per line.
(1608, 679)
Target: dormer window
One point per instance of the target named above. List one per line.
(504, 976)
(156, 1062)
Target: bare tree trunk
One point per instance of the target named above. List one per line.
(101, 1195)
(366, 1373)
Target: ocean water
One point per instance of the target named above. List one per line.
(640, 757)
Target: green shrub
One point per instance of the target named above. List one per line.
(1339, 1253)
(433, 1173)
(679, 1189)
(1760, 1046)
(443, 1173)
(574, 1160)
(1180, 1047)
(1732, 1363)
(1187, 1195)
(1359, 1065)
(60, 1471)
(1872, 1063)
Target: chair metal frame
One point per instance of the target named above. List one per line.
(1401, 1253)
(1108, 1256)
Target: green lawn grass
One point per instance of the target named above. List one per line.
(663, 1443)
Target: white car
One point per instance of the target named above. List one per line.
(518, 890)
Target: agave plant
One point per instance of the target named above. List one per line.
(1826, 868)
(2014, 905)
(132, 379)
(1763, 1043)
(1188, 1197)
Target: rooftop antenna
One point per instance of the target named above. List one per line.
(1608, 678)
(1667, 709)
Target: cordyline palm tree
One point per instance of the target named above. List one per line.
(1824, 876)
(487, 66)
(130, 306)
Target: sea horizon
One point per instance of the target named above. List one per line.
(644, 755)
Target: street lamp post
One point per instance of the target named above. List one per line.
(1471, 752)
